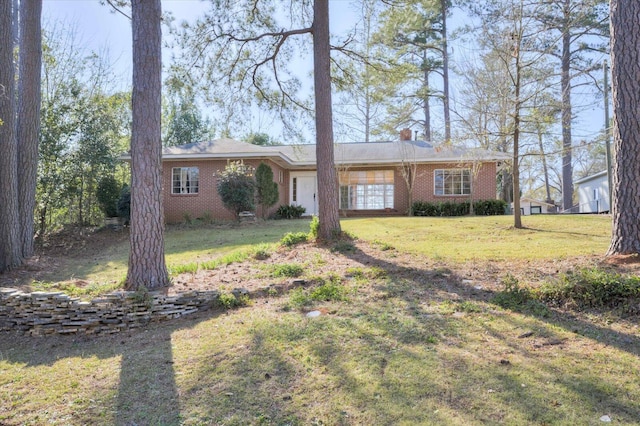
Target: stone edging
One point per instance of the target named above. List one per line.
(44, 313)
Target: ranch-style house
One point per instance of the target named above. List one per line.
(370, 175)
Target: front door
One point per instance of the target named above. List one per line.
(304, 191)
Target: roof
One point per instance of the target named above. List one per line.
(304, 155)
(591, 177)
(533, 200)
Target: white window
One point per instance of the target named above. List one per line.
(366, 190)
(185, 180)
(452, 182)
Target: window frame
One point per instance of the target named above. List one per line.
(189, 186)
(367, 189)
(463, 173)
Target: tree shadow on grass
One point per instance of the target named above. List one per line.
(134, 383)
(418, 287)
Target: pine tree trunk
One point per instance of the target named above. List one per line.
(10, 250)
(29, 117)
(329, 215)
(445, 72)
(625, 62)
(147, 268)
(425, 102)
(565, 82)
(517, 215)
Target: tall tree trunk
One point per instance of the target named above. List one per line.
(147, 268)
(28, 130)
(15, 26)
(10, 250)
(425, 100)
(545, 168)
(329, 215)
(625, 62)
(517, 215)
(565, 82)
(445, 71)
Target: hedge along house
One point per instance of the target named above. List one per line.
(372, 175)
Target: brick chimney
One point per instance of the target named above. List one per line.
(405, 134)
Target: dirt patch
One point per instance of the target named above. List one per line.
(624, 259)
(342, 260)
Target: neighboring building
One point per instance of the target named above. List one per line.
(593, 193)
(370, 175)
(529, 206)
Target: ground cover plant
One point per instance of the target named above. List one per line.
(401, 336)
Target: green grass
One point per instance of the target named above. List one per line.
(380, 362)
(448, 239)
(488, 237)
(286, 270)
(389, 348)
(211, 246)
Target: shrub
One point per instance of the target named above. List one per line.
(331, 289)
(453, 208)
(107, 194)
(236, 187)
(513, 296)
(290, 212)
(293, 238)
(124, 204)
(261, 252)
(314, 227)
(592, 287)
(290, 270)
(266, 188)
(230, 301)
(489, 207)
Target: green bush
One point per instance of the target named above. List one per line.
(453, 208)
(290, 212)
(293, 238)
(290, 270)
(230, 301)
(236, 187)
(314, 227)
(124, 204)
(489, 207)
(513, 296)
(107, 194)
(266, 188)
(593, 287)
(331, 289)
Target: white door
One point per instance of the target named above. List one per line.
(304, 191)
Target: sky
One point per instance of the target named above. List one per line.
(102, 30)
(99, 28)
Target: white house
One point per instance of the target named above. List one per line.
(593, 193)
(529, 206)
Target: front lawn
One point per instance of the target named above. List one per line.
(408, 331)
(490, 237)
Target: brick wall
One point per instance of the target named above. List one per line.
(483, 187)
(207, 201)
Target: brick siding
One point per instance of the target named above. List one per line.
(208, 202)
